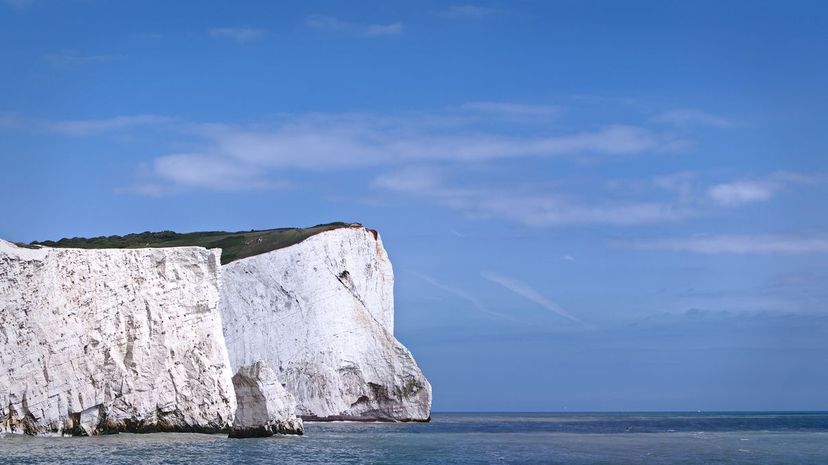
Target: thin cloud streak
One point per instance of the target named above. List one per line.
(543, 207)
(237, 34)
(735, 193)
(83, 127)
(331, 24)
(468, 11)
(681, 183)
(524, 290)
(688, 116)
(463, 295)
(196, 171)
(418, 147)
(325, 142)
(98, 126)
(513, 109)
(19, 4)
(741, 192)
(73, 57)
(735, 244)
(529, 207)
(10, 121)
(319, 142)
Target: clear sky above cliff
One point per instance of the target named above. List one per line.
(589, 205)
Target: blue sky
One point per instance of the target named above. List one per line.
(589, 205)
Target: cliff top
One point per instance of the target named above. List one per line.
(233, 245)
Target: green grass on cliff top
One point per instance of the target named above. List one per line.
(233, 245)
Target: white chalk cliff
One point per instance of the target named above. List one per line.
(103, 340)
(320, 314)
(96, 341)
(264, 407)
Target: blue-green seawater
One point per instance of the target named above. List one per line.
(647, 438)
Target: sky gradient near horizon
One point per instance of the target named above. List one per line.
(590, 205)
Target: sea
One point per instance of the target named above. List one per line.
(470, 438)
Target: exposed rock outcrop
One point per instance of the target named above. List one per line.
(321, 315)
(264, 407)
(96, 341)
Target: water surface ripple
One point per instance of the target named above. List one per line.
(664, 438)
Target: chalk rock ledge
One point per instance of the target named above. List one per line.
(264, 407)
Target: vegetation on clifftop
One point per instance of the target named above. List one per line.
(233, 245)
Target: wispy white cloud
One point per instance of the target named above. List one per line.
(74, 57)
(735, 244)
(145, 189)
(413, 180)
(468, 11)
(88, 127)
(531, 207)
(328, 23)
(452, 136)
(741, 192)
(474, 301)
(689, 116)
(219, 174)
(524, 290)
(549, 210)
(681, 183)
(237, 34)
(544, 206)
(691, 187)
(324, 142)
(415, 147)
(423, 153)
(321, 141)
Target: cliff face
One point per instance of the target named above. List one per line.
(320, 314)
(94, 341)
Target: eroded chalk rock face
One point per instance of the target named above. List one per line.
(320, 314)
(95, 341)
(264, 407)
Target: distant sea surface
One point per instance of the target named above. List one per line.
(455, 438)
